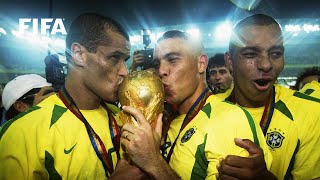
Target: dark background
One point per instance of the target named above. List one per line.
(152, 13)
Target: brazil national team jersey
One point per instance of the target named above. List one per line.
(48, 141)
(311, 89)
(293, 134)
(210, 136)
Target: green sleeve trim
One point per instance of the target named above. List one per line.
(114, 109)
(207, 109)
(252, 126)
(304, 96)
(308, 91)
(20, 115)
(229, 102)
(49, 165)
(251, 123)
(228, 99)
(199, 170)
(288, 173)
(57, 112)
(281, 106)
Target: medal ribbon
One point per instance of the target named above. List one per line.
(192, 112)
(268, 112)
(95, 140)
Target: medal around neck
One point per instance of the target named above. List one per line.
(142, 90)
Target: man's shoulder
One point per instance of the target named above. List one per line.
(222, 105)
(225, 95)
(51, 101)
(15, 124)
(231, 116)
(283, 92)
(44, 109)
(226, 112)
(312, 85)
(35, 116)
(294, 97)
(298, 106)
(312, 89)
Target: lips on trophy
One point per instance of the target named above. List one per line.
(142, 90)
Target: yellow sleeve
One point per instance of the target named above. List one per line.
(311, 89)
(307, 155)
(13, 154)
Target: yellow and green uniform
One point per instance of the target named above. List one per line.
(311, 89)
(293, 134)
(49, 141)
(210, 136)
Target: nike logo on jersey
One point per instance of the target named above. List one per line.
(68, 151)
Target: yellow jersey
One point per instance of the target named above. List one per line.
(209, 137)
(293, 134)
(311, 89)
(49, 141)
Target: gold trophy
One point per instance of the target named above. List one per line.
(142, 90)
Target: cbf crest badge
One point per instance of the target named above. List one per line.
(188, 135)
(274, 139)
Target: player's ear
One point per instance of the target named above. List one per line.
(202, 63)
(77, 52)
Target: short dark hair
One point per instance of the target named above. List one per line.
(311, 71)
(89, 30)
(217, 61)
(174, 34)
(256, 19)
(198, 46)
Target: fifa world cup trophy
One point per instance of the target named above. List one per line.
(142, 90)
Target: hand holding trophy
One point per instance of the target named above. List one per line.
(143, 91)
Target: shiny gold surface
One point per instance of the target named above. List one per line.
(144, 91)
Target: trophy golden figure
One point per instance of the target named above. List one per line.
(142, 90)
